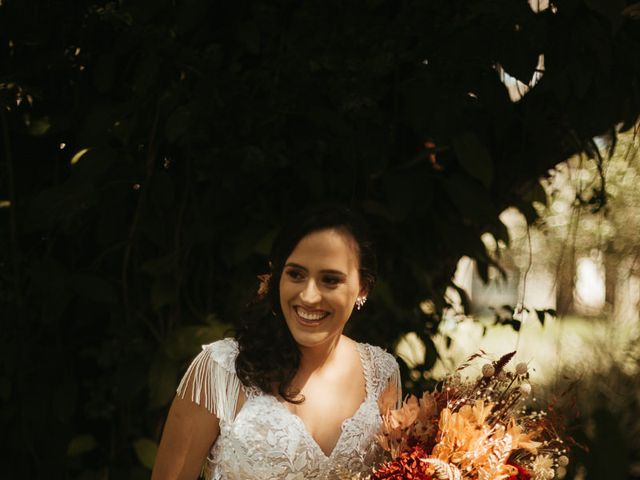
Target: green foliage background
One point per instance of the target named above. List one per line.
(207, 122)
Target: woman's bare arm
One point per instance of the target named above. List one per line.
(188, 435)
(207, 393)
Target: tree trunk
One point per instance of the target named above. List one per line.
(566, 282)
(611, 267)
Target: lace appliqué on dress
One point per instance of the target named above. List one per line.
(266, 441)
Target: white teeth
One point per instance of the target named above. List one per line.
(310, 316)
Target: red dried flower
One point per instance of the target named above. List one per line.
(406, 466)
(522, 473)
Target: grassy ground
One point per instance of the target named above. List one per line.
(570, 343)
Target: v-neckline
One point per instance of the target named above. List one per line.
(360, 347)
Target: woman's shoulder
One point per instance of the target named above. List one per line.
(224, 344)
(211, 378)
(382, 374)
(223, 352)
(381, 363)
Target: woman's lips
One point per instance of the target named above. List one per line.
(310, 318)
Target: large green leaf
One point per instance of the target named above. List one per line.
(185, 342)
(472, 201)
(474, 157)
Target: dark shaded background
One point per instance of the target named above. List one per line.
(150, 150)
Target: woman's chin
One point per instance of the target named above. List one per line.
(310, 333)
(311, 340)
(309, 336)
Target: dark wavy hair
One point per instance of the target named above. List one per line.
(268, 354)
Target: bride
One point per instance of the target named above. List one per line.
(290, 397)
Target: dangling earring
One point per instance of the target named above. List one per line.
(360, 301)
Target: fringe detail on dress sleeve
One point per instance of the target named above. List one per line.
(211, 385)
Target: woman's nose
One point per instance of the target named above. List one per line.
(310, 293)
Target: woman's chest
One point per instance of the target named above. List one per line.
(265, 435)
(323, 412)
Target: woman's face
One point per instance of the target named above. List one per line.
(319, 286)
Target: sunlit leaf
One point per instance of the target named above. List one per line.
(76, 158)
(146, 451)
(39, 126)
(94, 163)
(81, 444)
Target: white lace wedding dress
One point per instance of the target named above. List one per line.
(265, 440)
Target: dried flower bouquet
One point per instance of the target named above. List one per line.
(476, 429)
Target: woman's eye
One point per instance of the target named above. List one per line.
(331, 280)
(294, 274)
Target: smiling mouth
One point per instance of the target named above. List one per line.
(310, 318)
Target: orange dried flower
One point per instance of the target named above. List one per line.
(406, 466)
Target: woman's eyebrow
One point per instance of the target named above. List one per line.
(334, 272)
(295, 265)
(329, 270)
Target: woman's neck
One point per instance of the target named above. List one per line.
(316, 357)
